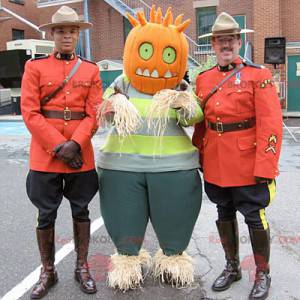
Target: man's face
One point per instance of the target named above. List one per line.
(226, 48)
(65, 38)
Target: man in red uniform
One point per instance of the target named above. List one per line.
(59, 95)
(239, 148)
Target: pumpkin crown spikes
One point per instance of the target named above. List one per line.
(157, 17)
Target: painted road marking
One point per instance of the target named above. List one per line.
(27, 283)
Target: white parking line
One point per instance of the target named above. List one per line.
(19, 290)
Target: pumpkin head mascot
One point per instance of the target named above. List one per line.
(144, 176)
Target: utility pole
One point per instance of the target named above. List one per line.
(86, 32)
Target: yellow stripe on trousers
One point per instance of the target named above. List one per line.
(272, 193)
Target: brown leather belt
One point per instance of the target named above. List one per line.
(66, 114)
(227, 127)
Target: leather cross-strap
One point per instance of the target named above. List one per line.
(215, 88)
(227, 127)
(65, 114)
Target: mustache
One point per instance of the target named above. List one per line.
(226, 49)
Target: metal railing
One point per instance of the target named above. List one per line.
(197, 52)
(282, 90)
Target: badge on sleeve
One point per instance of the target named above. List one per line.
(271, 144)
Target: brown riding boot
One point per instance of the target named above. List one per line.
(229, 235)
(81, 241)
(260, 240)
(48, 277)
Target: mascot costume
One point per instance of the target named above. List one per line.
(148, 167)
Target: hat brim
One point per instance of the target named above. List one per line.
(81, 24)
(227, 33)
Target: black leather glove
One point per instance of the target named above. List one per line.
(263, 180)
(183, 86)
(67, 151)
(76, 162)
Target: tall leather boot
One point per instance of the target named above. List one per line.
(82, 273)
(48, 277)
(260, 240)
(228, 231)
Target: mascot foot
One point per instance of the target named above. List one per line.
(177, 270)
(126, 270)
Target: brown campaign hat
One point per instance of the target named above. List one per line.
(225, 24)
(66, 16)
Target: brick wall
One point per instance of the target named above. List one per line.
(290, 17)
(107, 35)
(268, 18)
(179, 7)
(266, 23)
(28, 11)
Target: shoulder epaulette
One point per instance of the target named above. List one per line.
(89, 61)
(40, 57)
(207, 70)
(253, 65)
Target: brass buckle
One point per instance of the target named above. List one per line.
(219, 127)
(67, 115)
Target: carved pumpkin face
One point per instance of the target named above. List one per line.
(156, 52)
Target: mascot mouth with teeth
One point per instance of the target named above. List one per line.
(155, 54)
(143, 176)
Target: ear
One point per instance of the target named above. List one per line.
(213, 42)
(240, 43)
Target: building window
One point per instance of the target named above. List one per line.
(205, 18)
(17, 34)
(21, 2)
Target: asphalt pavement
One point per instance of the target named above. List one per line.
(20, 257)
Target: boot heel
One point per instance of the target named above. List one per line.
(238, 276)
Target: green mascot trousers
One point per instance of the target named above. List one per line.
(172, 201)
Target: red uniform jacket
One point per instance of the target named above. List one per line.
(235, 158)
(82, 93)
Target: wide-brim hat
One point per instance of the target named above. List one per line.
(66, 16)
(225, 24)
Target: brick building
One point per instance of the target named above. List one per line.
(269, 18)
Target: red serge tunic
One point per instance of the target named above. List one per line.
(235, 158)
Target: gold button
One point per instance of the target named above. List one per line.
(254, 144)
(67, 107)
(49, 83)
(66, 123)
(224, 74)
(219, 134)
(67, 92)
(218, 118)
(239, 91)
(220, 89)
(218, 103)
(67, 62)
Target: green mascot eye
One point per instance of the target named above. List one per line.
(146, 51)
(169, 55)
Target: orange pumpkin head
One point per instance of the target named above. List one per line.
(156, 52)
